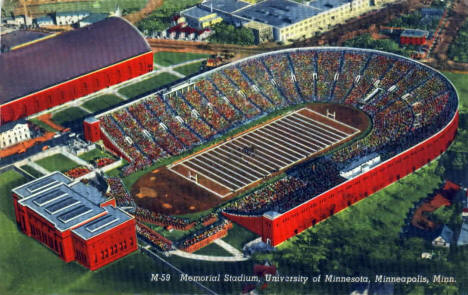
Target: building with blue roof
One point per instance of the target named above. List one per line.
(287, 19)
(200, 18)
(75, 220)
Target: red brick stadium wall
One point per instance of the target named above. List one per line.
(288, 224)
(77, 87)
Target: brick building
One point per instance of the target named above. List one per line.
(74, 220)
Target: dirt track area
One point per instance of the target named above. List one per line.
(167, 193)
(144, 12)
(343, 113)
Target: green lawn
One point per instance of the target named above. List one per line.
(189, 69)
(238, 236)
(31, 171)
(147, 85)
(213, 250)
(461, 83)
(68, 115)
(92, 6)
(95, 154)
(57, 162)
(165, 58)
(42, 125)
(102, 102)
(173, 235)
(27, 267)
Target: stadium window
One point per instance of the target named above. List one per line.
(107, 252)
(112, 250)
(131, 241)
(102, 254)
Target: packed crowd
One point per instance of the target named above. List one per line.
(77, 172)
(352, 65)
(304, 67)
(329, 63)
(153, 237)
(204, 233)
(256, 71)
(135, 131)
(223, 106)
(159, 107)
(235, 96)
(409, 98)
(302, 183)
(163, 220)
(257, 98)
(266, 198)
(101, 162)
(162, 138)
(193, 121)
(280, 68)
(117, 190)
(377, 66)
(206, 110)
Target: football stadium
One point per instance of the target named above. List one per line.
(283, 140)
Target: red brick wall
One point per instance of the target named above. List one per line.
(76, 88)
(336, 199)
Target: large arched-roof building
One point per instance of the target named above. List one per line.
(70, 65)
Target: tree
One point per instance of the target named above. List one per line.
(225, 33)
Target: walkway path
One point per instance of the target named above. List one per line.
(171, 69)
(237, 255)
(228, 247)
(38, 168)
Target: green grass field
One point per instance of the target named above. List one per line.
(102, 102)
(165, 58)
(57, 162)
(27, 267)
(95, 154)
(461, 83)
(238, 236)
(104, 6)
(147, 85)
(31, 171)
(68, 115)
(189, 69)
(42, 125)
(212, 250)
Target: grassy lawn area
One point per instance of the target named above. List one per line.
(68, 115)
(23, 261)
(189, 69)
(31, 171)
(212, 250)
(238, 236)
(165, 58)
(102, 102)
(173, 235)
(364, 239)
(461, 83)
(147, 85)
(42, 125)
(57, 162)
(92, 6)
(95, 154)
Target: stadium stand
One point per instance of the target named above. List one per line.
(407, 103)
